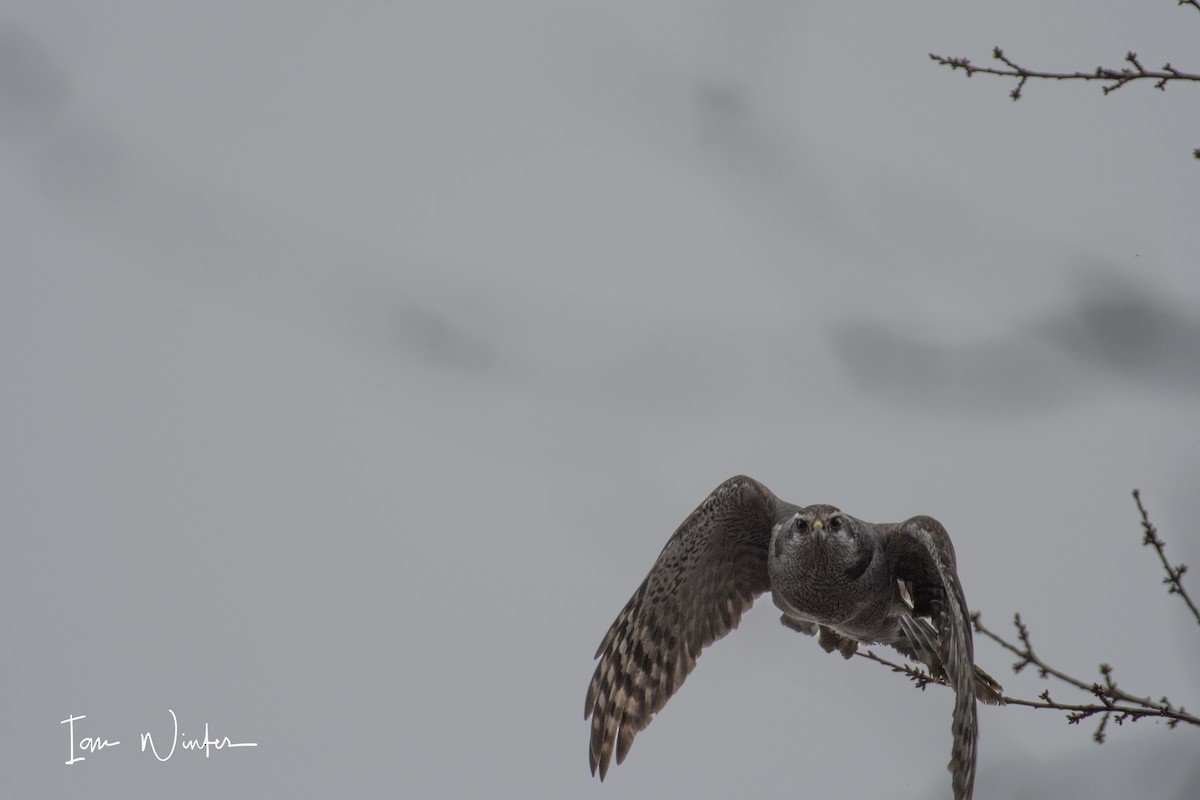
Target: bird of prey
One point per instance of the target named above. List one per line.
(834, 576)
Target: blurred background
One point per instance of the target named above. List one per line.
(359, 359)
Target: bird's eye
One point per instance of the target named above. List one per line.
(801, 524)
(835, 523)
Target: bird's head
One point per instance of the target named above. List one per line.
(822, 533)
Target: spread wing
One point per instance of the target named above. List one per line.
(919, 551)
(709, 573)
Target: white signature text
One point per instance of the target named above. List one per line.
(94, 744)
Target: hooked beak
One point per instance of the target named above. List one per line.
(818, 531)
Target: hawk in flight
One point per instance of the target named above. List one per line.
(834, 576)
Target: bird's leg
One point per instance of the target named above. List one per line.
(830, 640)
(848, 648)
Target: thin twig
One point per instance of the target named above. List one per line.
(1115, 77)
(1174, 584)
(1025, 652)
(918, 676)
(1113, 701)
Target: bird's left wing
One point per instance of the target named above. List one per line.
(709, 573)
(919, 552)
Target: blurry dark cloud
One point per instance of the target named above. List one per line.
(32, 87)
(77, 164)
(758, 155)
(439, 340)
(739, 133)
(1112, 328)
(991, 377)
(274, 265)
(1127, 329)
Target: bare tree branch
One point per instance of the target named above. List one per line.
(1115, 77)
(1112, 703)
(1174, 585)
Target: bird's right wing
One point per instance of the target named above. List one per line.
(920, 552)
(709, 573)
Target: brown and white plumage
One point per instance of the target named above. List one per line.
(708, 573)
(848, 580)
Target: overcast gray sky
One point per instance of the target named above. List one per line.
(360, 358)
